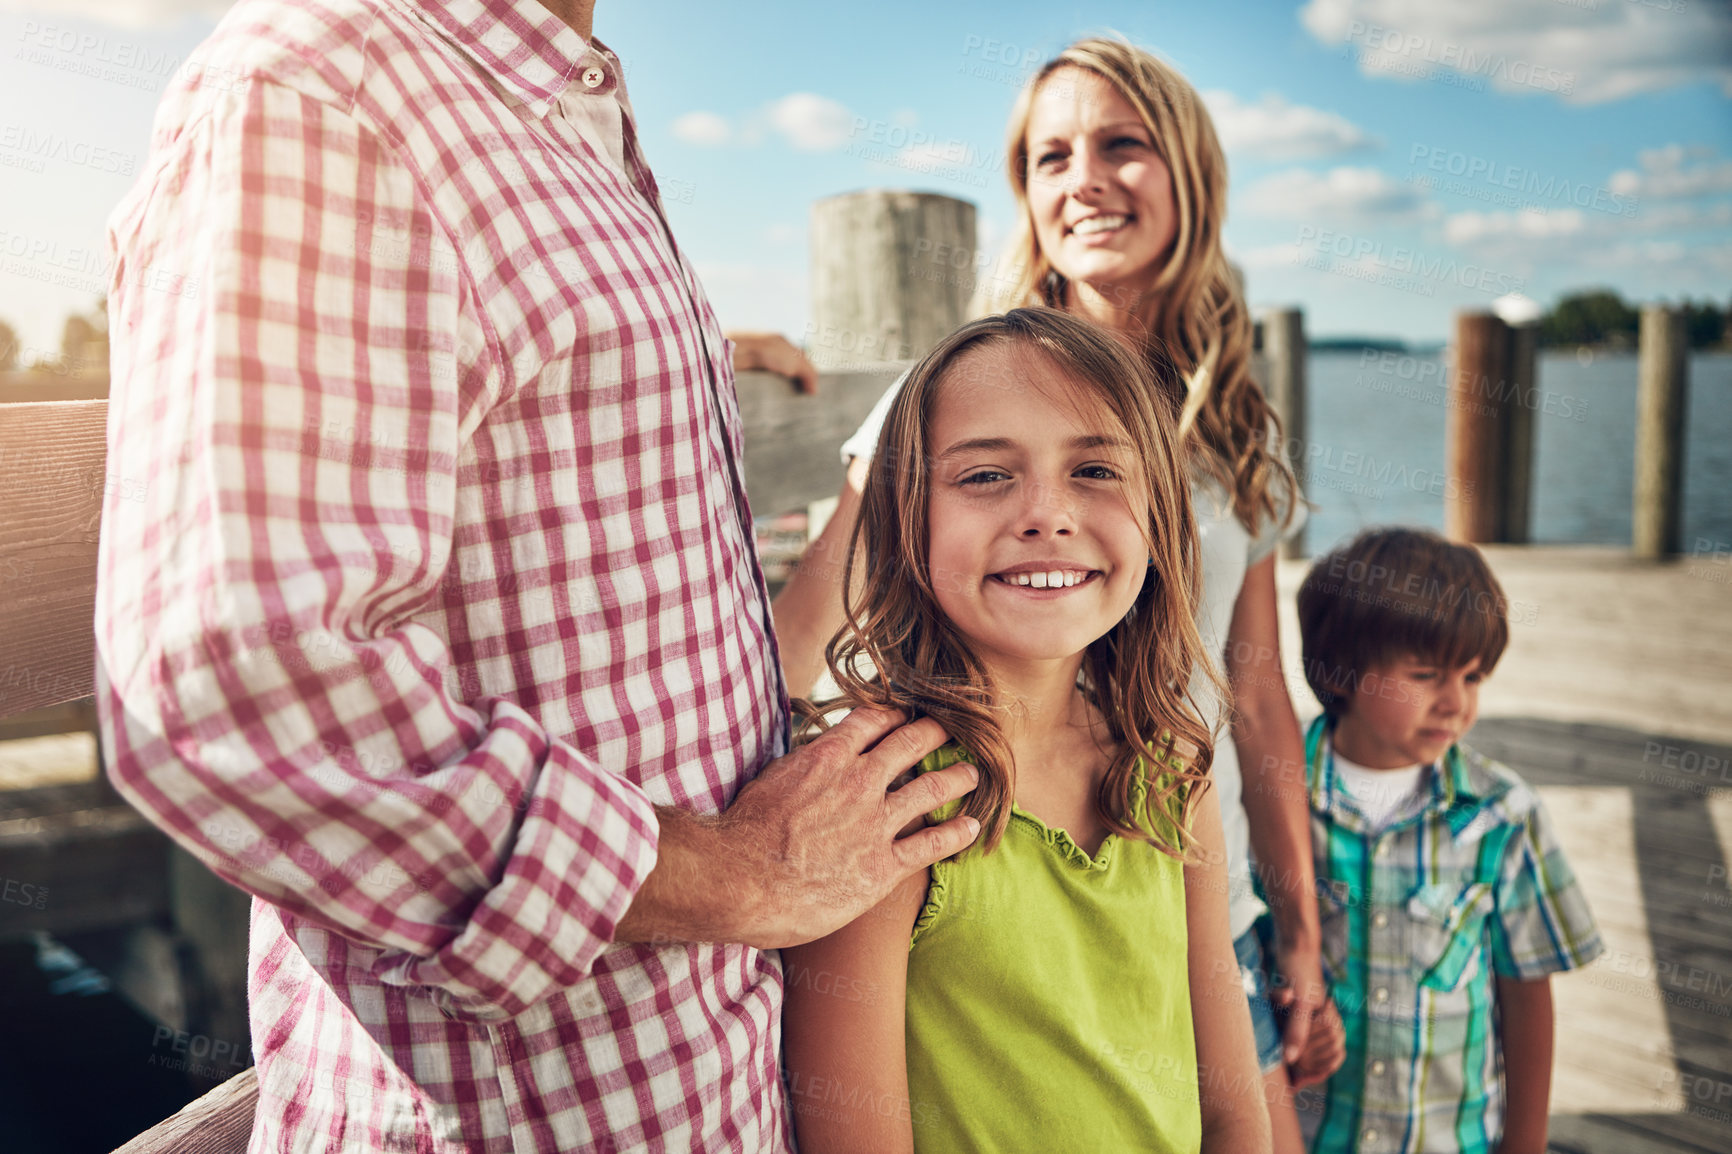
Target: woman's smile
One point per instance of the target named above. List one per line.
(1101, 225)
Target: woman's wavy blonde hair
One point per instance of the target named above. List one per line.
(1200, 322)
(899, 651)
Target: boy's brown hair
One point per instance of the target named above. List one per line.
(1391, 593)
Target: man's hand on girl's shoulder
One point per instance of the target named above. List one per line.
(810, 844)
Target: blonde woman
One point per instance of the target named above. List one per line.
(1122, 187)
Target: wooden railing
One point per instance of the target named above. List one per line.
(221, 1122)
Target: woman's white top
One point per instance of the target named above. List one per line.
(1228, 550)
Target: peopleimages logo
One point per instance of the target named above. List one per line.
(1521, 182)
(1364, 252)
(44, 146)
(130, 64)
(1392, 42)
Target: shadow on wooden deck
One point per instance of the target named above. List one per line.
(1644, 1054)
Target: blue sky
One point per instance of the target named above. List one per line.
(1391, 161)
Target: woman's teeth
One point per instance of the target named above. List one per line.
(1096, 224)
(1054, 580)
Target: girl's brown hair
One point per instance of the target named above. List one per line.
(1200, 322)
(899, 651)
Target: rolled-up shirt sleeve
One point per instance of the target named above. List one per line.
(1543, 924)
(298, 364)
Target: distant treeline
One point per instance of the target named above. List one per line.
(1594, 317)
(1602, 317)
(1355, 344)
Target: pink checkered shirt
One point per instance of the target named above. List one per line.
(435, 573)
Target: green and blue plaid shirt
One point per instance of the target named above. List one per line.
(1465, 882)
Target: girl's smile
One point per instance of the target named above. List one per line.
(1046, 576)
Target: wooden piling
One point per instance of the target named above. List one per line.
(1656, 528)
(1518, 455)
(1476, 440)
(892, 273)
(1284, 352)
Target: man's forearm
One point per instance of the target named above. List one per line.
(701, 889)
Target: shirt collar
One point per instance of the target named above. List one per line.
(529, 52)
(1452, 791)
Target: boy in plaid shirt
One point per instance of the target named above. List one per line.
(1445, 901)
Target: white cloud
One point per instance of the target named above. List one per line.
(1273, 129)
(1528, 224)
(1608, 51)
(1686, 217)
(705, 129)
(124, 13)
(1666, 174)
(1687, 266)
(1340, 193)
(1561, 232)
(809, 122)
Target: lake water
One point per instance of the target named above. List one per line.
(1377, 447)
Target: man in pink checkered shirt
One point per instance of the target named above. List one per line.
(439, 627)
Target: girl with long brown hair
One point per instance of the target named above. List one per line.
(1028, 560)
(1122, 189)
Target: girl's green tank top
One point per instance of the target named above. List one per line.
(1048, 997)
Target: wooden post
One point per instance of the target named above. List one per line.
(1657, 522)
(1284, 353)
(1475, 440)
(1518, 458)
(892, 273)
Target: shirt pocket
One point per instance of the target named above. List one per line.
(1448, 931)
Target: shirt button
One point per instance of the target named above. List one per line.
(1383, 848)
(1369, 1135)
(1377, 1068)
(593, 76)
(1380, 920)
(1381, 994)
